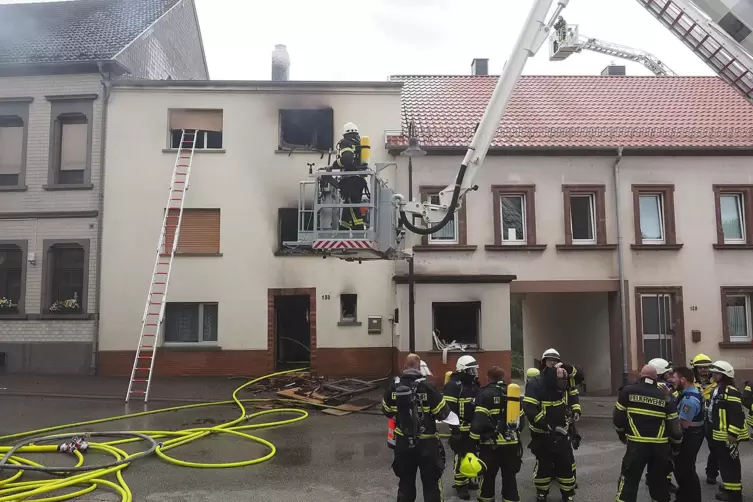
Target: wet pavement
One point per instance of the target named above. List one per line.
(321, 459)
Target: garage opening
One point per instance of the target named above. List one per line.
(457, 321)
(293, 332)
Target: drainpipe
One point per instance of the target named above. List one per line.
(621, 269)
(411, 280)
(101, 207)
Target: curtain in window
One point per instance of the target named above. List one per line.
(730, 209)
(210, 323)
(650, 217)
(206, 120)
(737, 317)
(11, 147)
(73, 146)
(182, 323)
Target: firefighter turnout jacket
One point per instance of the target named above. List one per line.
(459, 393)
(348, 152)
(706, 389)
(726, 417)
(490, 415)
(748, 402)
(644, 413)
(545, 406)
(431, 406)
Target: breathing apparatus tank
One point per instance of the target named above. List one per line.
(408, 411)
(513, 406)
(365, 150)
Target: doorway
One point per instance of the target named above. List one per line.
(660, 322)
(292, 332)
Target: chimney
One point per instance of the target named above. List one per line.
(480, 67)
(613, 70)
(280, 63)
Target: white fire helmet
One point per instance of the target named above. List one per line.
(722, 367)
(350, 127)
(467, 364)
(661, 365)
(551, 354)
(425, 371)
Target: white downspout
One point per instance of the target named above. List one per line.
(621, 269)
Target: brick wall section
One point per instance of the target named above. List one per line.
(170, 48)
(361, 362)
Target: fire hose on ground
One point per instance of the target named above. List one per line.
(87, 478)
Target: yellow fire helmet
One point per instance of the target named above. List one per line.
(532, 373)
(471, 466)
(700, 360)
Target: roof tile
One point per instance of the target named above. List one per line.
(580, 111)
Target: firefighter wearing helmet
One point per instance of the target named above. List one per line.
(701, 365)
(664, 372)
(549, 403)
(352, 188)
(726, 420)
(459, 393)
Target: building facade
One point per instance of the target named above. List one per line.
(53, 108)
(591, 180)
(236, 304)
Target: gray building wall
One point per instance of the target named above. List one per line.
(171, 47)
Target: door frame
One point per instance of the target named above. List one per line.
(679, 356)
(272, 294)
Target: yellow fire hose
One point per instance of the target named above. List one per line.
(86, 481)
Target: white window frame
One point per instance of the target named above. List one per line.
(201, 340)
(662, 221)
(592, 207)
(504, 239)
(455, 222)
(748, 320)
(740, 198)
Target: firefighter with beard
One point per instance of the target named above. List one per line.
(548, 413)
(416, 405)
(706, 385)
(726, 419)
(460, 392)
(499, 441)
(646, 420)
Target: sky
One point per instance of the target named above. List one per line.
(373, 39)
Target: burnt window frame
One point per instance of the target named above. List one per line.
(325, 144)
(20, 246)
(478, 336)
(19, 108)
(347, 320)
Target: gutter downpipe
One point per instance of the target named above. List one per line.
(621, 269)
(106, 83)
(411, 279)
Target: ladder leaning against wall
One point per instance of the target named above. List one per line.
(154, 311)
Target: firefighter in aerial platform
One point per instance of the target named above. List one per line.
(646, 420)
(726, 419)
(706, 385)
(416, 405)
(496, 426)
(460, 392)
(548, 411)
(351, 156)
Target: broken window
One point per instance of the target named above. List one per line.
(348, 308)
(11, 149)
(73, 144)
(206, 123)
(458, 321)
(306, 129)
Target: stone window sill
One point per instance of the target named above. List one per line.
(198, 150)
(349, 323)
(444, 248)
(13, 317)
(66, 317)
(586, 247)
(739, 247)
(656, 247)
(515, 247)
(188, 253)
(190, 347)
(736, 345)
(21, 188)
(52, 188)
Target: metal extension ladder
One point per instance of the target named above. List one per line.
(154, 311)
(704, 37)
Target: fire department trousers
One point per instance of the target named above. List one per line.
(689, 486)
(507, 459)
(428, 457)
(637, 457)
(461, 445)
(712, 466)
(730, 469)
(554, 458)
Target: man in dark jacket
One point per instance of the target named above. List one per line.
(646, 420)
(416, 405)
(460, 392)
(499, 442)
(352, 188)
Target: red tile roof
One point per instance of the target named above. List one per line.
(580, 112)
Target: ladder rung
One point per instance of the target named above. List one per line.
(159, 283)
(150, 334)
(137, 391)
(147, 346)
(145, 357)
(157, 293)
(142, 369)
(139, 380)
(155, 303)
(151, 324)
